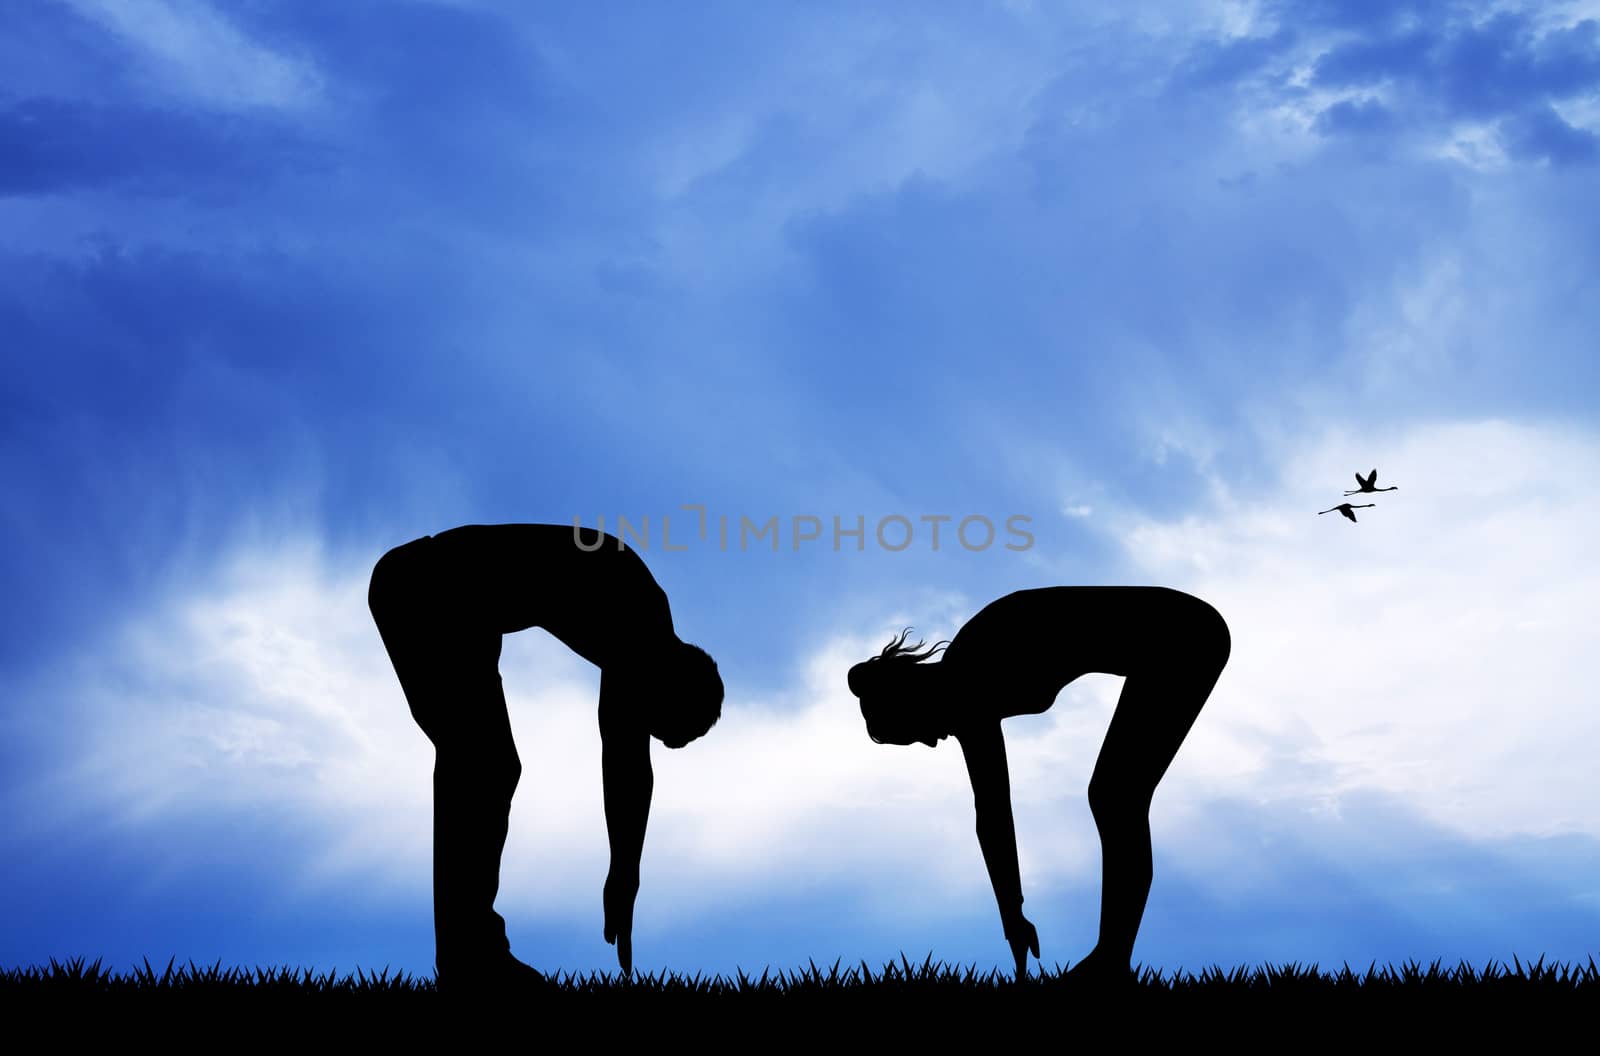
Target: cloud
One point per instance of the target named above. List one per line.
(1347, 115)
(1430, 655)
(1542, 133)
(1400, 730)
(1231, 59)
(1433, 653)
(204, 55)
(1441, 72)
(267, 691)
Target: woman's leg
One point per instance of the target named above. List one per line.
(1159, 703)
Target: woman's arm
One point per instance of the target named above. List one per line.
(984, 747)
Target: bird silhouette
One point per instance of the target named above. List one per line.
(1369, 485)
(1347, 509)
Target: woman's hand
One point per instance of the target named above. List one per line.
(985, 749)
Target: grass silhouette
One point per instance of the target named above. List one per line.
(905, 1004)
(82, 978)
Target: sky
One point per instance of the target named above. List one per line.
(283, 285)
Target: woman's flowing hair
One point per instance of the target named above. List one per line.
(896, 657)
(888, 715)
(914, 654)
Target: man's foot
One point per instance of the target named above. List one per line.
(1099, 970)
(496, 975)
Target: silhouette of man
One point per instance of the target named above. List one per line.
(441, 604)
(1012, 658)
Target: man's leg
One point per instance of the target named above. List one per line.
(450, 675)
(475, 773)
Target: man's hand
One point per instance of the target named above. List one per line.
(1023, 938)
(628, 779)
(620, 893)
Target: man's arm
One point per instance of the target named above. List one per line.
(985, 750)
(628, 780)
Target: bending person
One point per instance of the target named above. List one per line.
(1012, 658)
(441, 604)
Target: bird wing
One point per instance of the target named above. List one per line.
(1374, 479)
(1348, 512)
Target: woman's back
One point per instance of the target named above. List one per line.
(1020, 650)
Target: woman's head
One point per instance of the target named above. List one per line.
(691, 692)
(898, 691)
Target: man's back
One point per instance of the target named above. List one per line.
(598, 598)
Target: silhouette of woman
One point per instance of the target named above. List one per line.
(1012, 658)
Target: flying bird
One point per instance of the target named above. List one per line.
(1368, 484)
(1347, 509)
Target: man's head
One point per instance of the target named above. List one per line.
(689, 695)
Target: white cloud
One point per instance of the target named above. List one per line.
(1434, 654)
(1474, 144)
(1238, 18)
(204, 55)
(1564, 13)
(266, 692)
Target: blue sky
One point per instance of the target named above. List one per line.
(283, 285)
